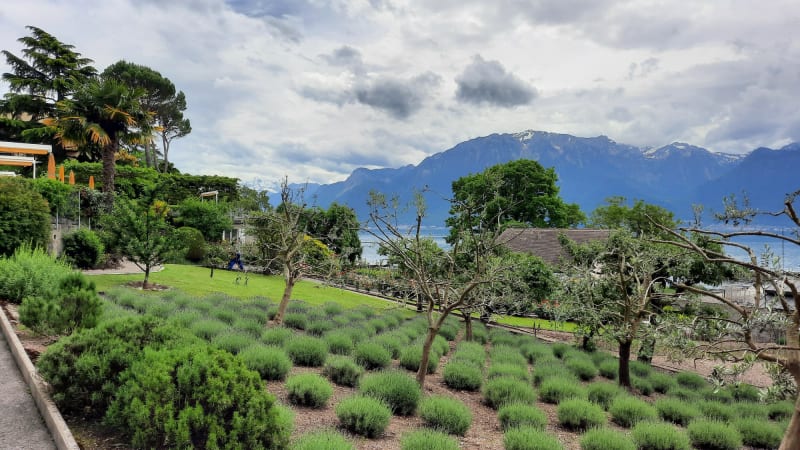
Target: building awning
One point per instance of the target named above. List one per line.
(19, 148)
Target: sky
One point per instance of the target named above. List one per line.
(313, 89)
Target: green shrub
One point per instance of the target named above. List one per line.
(319, 327)
(691, 380)
(640, 369)
(528, 438)
(339, 342)
(83, 248)
(504, 354)
(411, 357)
(716, 410)
(448, 331)
(342, 370)
(659, 436)
(554, 390)
(471, 352)
(445, 414)
(191, 243)
(555, 370)
(662, 382)
(579, 414)
(720, 395)
(676, 411)
(276, 336)
(500, 391)
(233, 341)
(642, 385)
(683, 393)
(440, 345)
(324, 439)
(73, 305)
(751, 410)
(606, 439)
(583, 369)
(393, 342)
(713, 435)
(398, 390)
(743, 392)
(512, 415)
(534, 352)
(270, 362)
(362, 415)
(208, 329)
(185, 318)
(30, 273)
(295, 320)
(502, 337)
(780, 410)
(603, 393)
(609, 369)
(560, 349)
(508, 370)
(627, 411)
(307, 351)
(24, 216)
(84, 369)
(424, 439)
(196, 396)
(479, 334)
(462, 376)
(332, 308)
(372, 356)
(250, 326)
(308, 389)
(759, 433)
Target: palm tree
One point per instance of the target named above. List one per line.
(99, 115)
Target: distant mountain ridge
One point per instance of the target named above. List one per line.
(589, 171)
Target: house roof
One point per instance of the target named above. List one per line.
(543, 242)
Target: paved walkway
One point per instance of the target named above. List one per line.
(21, 426)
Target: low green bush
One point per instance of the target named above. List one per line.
(233, 341)
(440, 345)
(603, 393)
(676, 411)
(627, 411)
(427, 440)
(714, 435)
(471, 352)
(642, 385)
(659, 436)
(640, 369)
(362, 415)
(508, 370)
(83, 248)
(691, 380)
(461, 375)
(398, 390)
(332, 308)
(272, 363)
(339, 342)
(662, 382)
(751, 410)
(682, 393)
(30, 272)
(500, 391)
(207, 329)
(505, 354)
(759, 433)
(296, 320)
(225, 312)
(716, 410)
(446, 414)
(393, 342)
(579, 414)
(581, 368)
(502, 337)
(528, 438)
(196, 396)
(276, 335)
(512, 415)
(411, 357)
(720, 395)
(780, 410)
(544, 372)
(449, 331)
(533, 352)
(743, 392)
(371, 355)
(609, 369)
(319, 327)
(606, 439)
(308, 389)
(342, 370)
(560, 349)
(249, 325)
(307, 351)
(554, 390)
(73, 305)
(324, 439)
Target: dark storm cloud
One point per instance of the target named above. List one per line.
(344, 56)
(488, 82)
(398, 98)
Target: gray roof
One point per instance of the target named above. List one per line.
(543, 242)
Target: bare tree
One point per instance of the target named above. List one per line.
(742, 336)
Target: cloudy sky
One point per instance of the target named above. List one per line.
(313, 89)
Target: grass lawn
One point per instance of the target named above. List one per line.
(195, 281)
(530, 322)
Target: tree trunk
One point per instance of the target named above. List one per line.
(165, 148)
(647, 350)
(586, 342)
(791, 438)
(468, 326)
(624, 363)
(287, 294)
(109, 165)
(419, 302)
(146, 276)
(426, 354)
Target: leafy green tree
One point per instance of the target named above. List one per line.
(337, 227)
(140, 232)
(47, 72)
(640, 218)
(163, 104)
(208, 217)
(520, 192)
(24, 216)
(252, 200)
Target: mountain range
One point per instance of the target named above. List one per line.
(674, 176)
